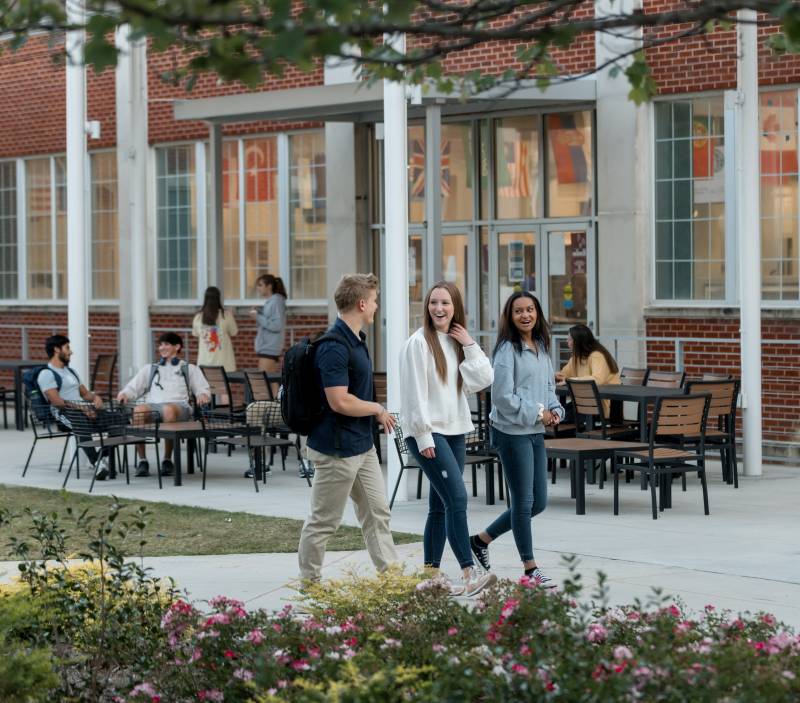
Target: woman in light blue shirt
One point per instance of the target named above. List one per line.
(523, 403)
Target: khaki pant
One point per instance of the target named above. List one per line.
(334, 479)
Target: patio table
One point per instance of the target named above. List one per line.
(578, 451)
(18, 366)
(177, 431)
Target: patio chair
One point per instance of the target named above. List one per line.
(6, 395)
(108, 430)
(103, 375)
(220, 427)
(258, 386)
(665, 379)
(480, 454)
(633, 377)
(721, 432)
(220, 388)
(590, 416)
(682, 419)
(717, 377)
(406, 462)
(47, 429)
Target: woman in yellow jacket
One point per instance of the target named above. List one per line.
(589, 359)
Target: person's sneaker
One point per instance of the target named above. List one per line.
(481, 551)
(101, 469)
(142, 468)
(167, 467)
(541, 579)
(474, 584)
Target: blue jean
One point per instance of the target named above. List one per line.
(525, 467)
(447, 499)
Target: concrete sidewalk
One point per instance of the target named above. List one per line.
(744, 556)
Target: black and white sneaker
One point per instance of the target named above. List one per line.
(481, 551)
(167, 467)
(101, 469)
(142, 468)
(541, 579)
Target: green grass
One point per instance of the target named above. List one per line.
(173, 529)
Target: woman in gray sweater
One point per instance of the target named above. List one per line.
(271, 323)
(523, 403)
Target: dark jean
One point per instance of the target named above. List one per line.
(447, 499)
(525, 468)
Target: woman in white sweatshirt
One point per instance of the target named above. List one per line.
(439, 365)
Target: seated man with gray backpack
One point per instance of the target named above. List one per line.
(53, 387)
(166, 388)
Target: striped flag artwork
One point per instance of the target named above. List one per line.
(566, 145)
(514, 180)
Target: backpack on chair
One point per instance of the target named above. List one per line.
(37, 401)
(302, 406)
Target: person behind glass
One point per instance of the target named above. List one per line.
(342, 445)
(523, 404)
(214, 326)
(590, 360)
(271, 323)
(440, 365)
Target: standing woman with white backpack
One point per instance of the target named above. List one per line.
(440, 364)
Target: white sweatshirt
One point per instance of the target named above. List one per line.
(428, 405)
(169, 385)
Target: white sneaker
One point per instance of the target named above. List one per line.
(474, 583)
(541, 579)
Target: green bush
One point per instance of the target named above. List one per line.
(115, 634)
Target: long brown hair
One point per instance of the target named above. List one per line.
(275, 282)
(212, 306)
(508, 330)
(429, 331)
(585, 343)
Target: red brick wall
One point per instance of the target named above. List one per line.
(103, 328)
(780, 362)
(709, 62)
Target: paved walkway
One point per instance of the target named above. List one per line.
(744, 556)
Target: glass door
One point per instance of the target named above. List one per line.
(460, 266)
(569, 278)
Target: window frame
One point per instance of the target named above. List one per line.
(16, 227)
(93, 299)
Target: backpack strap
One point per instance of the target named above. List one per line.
(153, 372)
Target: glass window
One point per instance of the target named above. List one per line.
(416, 173)
(262, 251)
(307, 215)
(230, 219)
(779, 193)
(105, 226)
(690, 200)
(569, 164)
(60, 170)
(39, 228)
(8, 230)
(517, 167)
(176, 224)
(457, 171)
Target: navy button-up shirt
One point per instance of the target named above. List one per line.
(340, 435)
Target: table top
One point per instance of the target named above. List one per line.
(590, 444)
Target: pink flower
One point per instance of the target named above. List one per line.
(228, 654)
(524, 650)
(622, 652)
(596, 633)
(685, 626)
(710, 608)
(521, 670)
(674, 610)
(255, 636)
(768, 619)
(277, 627)
(452, 631)
(789, 675)
(211, 695)
(634, 616)
(217, 619)
(509, 607)
(224, 602)
(243, 674)
(146, 689)
(300, 665)
(438, 647)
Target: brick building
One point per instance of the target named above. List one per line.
(616, 215)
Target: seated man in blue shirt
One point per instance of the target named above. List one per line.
(72, 390)
(341, 446)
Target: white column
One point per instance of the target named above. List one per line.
(135, 347)
(215, 234)
(77, 281)
(748, 201)
(396, 249)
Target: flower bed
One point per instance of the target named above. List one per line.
(113, 634)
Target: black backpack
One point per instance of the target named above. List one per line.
(37, 401)
(302, 406)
